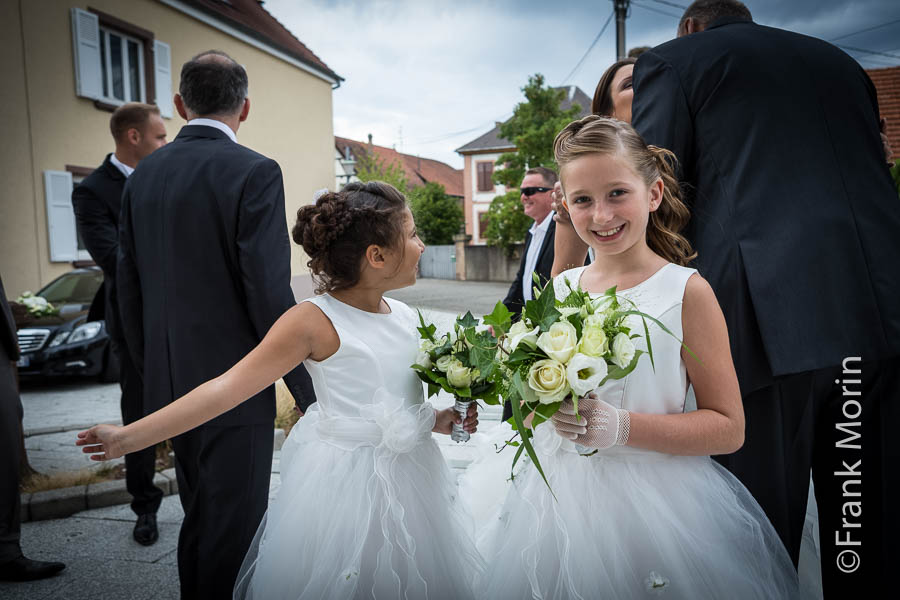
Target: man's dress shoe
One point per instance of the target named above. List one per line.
(25, 569)
(145, 531)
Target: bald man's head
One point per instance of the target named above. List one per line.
(213, 84)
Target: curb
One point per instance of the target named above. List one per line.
(60, 429)
(65, 502)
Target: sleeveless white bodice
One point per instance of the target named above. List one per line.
(647, 390)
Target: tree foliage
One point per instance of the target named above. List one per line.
(532, 128)
(371, 168)
(438, 216)
(507, 222)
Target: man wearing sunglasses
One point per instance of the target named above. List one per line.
(537, 257)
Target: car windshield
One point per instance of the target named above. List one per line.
(73, 288)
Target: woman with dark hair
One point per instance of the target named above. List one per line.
(612, 98)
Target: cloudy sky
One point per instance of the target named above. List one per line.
(427, 76)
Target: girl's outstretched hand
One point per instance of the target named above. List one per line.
(102, 442)
(444, 420)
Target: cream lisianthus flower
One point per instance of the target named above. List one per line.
(567, 311)
(594, 341)
(584, 373)
(519, 333)
(459, 375)
(622, 350)
(444, 362)
(559, 341)
(548, 380)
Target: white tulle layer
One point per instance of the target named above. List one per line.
(360, 521)
(622, 517)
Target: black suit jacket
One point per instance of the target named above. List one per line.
(97, 202)
(793, 213)
(204, 267)
(9, 341)
(514, 300)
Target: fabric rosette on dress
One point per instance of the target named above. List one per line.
(350, 509)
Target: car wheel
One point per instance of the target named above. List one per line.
(110, 372)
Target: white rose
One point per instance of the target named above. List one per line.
(622, 350)
(593, 339)
(444, 362)
(459, 375)
(585, 373)
(548, 380)
(559, 341)
(519, 333)
(423, 358)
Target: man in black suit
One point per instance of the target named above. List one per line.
(203, 273)
(13, 565)
(137, 130)
(537, 257)
(798, 232)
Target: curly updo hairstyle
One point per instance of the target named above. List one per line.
(337, 229)
(604, 135)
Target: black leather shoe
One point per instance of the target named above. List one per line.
(25, 569)
(145, 531)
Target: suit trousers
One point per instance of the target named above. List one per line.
(10, 432)
(223, 480)
(841, 423)
(140, 467)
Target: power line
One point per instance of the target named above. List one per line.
(840, 37)
(591, 47)
(672, 4)
(854, 49)
(656, 10)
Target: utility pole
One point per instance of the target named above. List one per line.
(621, 9)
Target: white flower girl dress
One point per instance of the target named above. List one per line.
(630, 523)
(365, 508)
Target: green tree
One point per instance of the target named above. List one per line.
(438, 216)
(507, 223)
(532, 128)
(895, 173)
(371, 168)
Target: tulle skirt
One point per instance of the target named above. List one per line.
(626, 523)
(357, 520)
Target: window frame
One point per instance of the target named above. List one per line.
(478, 171)
(146, 38)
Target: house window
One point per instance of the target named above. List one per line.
(122, 66)
(485, 170)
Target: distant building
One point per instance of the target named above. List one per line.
(418, 170)
(887, 85)
(480, 156)
(69, 63)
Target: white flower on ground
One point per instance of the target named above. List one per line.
(593, 339)
(548, 380)
(559, 341)
(622, 350)
(459, 375)
(656, 583)
(584, 373)
(520, 332)
(444, 362)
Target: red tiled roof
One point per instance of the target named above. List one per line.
(251, 18)
(887, 85)
(418, 171)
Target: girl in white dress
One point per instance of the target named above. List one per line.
(649, 511)
(364, 509)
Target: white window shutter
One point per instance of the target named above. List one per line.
(86, 44)
(162, 67)
(60, 216)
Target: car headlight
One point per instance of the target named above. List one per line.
(85, 332)
(59, 338)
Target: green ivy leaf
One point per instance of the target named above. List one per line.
(467, 321)
(542, 311)
(500, 319)
(426, 331)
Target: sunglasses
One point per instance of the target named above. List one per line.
(531, 191)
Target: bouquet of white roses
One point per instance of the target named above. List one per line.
(461, 362)
(37, 305)
(564, 348)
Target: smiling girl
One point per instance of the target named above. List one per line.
(364, 508)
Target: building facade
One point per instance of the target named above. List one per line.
(69, 64)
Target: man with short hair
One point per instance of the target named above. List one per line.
(137, 130)
(796, 225)
(537, 256)
(203, 273)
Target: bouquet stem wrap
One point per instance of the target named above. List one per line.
(458, 434)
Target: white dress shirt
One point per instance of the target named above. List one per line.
(126, 170)
(538, 232)
(217, 124)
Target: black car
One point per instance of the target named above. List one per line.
(74, 342)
